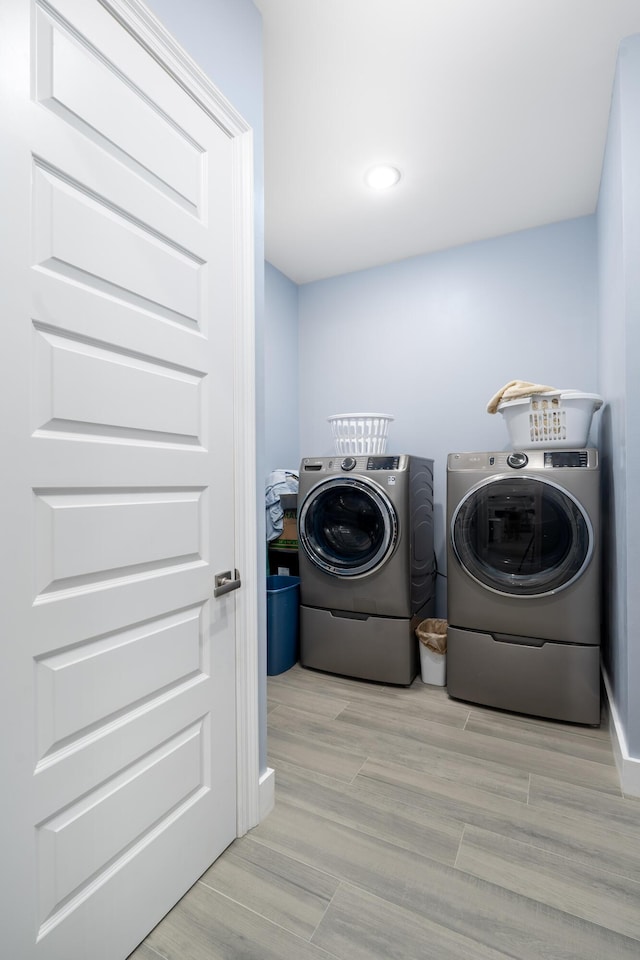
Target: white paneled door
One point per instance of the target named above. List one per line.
(118, 265)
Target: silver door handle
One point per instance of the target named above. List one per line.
(225, 583)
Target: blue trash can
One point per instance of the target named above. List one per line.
(283, 600)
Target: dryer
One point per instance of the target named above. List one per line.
(523, 582)
(366, 563)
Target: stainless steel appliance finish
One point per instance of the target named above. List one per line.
(365, 528)
(523, 581)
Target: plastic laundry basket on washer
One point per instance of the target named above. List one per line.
(557, 419)
(360, 433)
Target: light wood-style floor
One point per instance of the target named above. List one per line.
(411, 826)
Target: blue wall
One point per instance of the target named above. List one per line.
(281, 371)
(224, 37)
(619, 352)
(432, 338)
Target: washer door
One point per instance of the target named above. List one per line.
(521, 536)
(347, 526)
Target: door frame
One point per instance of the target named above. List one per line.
(155, 38)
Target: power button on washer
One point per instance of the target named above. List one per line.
(517, 460)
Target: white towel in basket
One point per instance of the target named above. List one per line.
(515, 389)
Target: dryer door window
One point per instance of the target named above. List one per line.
(522, 536)
(347, 526)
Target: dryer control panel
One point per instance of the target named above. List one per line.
(566, 458)
(519, 460)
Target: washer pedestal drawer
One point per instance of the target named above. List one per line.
(543, 678)
(359, 645)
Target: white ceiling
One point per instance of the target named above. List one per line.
(495, 111)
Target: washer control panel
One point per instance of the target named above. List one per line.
(356, 463)
(383, 463)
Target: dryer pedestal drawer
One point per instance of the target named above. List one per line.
(358, 645)
(556, 680)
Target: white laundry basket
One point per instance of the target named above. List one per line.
(558, 419)
(360, 433)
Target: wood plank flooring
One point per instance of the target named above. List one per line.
(410, 826)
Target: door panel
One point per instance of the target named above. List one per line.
(122, 669)
(84, 537)
(155, 401)
(119, 496)
(81, 235)
(75, 845)
(75, 82)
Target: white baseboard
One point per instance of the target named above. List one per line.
(266, 792)
(628, 767)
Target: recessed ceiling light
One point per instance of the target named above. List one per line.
(382, 177)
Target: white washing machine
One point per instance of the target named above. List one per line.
(365, 529)
(523, 582)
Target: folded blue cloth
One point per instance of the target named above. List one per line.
(278, 482)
